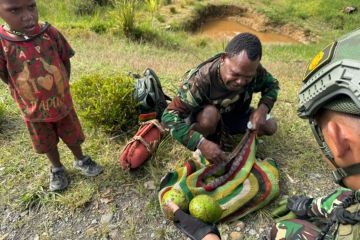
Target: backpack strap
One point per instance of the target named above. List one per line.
(150, 96)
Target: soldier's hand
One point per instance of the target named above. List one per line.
(212, 152)
(258, 117)
(299, 205)
(343, 216)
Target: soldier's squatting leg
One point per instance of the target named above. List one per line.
(269, 128)
(207, 120)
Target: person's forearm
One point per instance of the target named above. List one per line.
(180, 130)
(323, 206)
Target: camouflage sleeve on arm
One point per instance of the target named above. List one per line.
(323, 206)
(268, 86)
(188, 99)
(180, 130)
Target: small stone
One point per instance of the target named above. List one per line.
(150, 185)
(225, 237)
(36, 237)
(252, 232)
(66, 219)
(152, 235)
(350, 9)
(94, 221)
(90, 231)
(164, 222)
(239, 226)
(106, 219)
(23, 214)
(115, 235)
(236, 236)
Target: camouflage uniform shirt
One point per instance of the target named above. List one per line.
(320, 211)
(203, 86)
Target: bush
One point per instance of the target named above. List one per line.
(99, 27)
(104, 2)
(125, 15)
(83, 7)
(2, 111)
(173, 10)
(106, 101)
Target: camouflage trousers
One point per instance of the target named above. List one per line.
(297, 229)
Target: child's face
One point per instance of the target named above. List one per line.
(21, 15)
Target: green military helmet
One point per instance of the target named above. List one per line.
(332, 81)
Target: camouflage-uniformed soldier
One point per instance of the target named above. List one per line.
(217, 95)
(330, 99)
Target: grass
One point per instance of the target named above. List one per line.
(24, 174)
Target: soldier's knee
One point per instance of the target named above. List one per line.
(208, 119)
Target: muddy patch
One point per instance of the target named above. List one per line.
(219, 21)
(224, 28)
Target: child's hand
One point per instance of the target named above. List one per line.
(172, 206)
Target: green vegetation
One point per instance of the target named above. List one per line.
(2, 111)
(94, 94)
(125, 36)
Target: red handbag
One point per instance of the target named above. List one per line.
(142, 145)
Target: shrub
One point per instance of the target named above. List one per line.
(104, 2)
(153, 6)
(2, 111)
(145, 33)
(173, 10)
(83, 7)
(99, 27)
(125, 14)
(106, 101)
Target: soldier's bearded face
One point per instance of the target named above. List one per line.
(238, 71)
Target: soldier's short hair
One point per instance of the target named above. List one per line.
(245, 41)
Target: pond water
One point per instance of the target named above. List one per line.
(228, 29)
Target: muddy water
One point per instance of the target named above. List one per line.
(228, 29)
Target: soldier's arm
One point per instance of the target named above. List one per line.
(189, 98)
(323, 206)
(268, 86)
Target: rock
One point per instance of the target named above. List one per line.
(115, 235)
(94, 221)
(152, 235)
(23, 214)
(106, 219)
(236, 236)
(239, 226)
(252, 232)
(164, 222)
(150, 185)
(350, 9)
(36, 237)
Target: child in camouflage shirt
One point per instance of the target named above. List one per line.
(35, 64)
